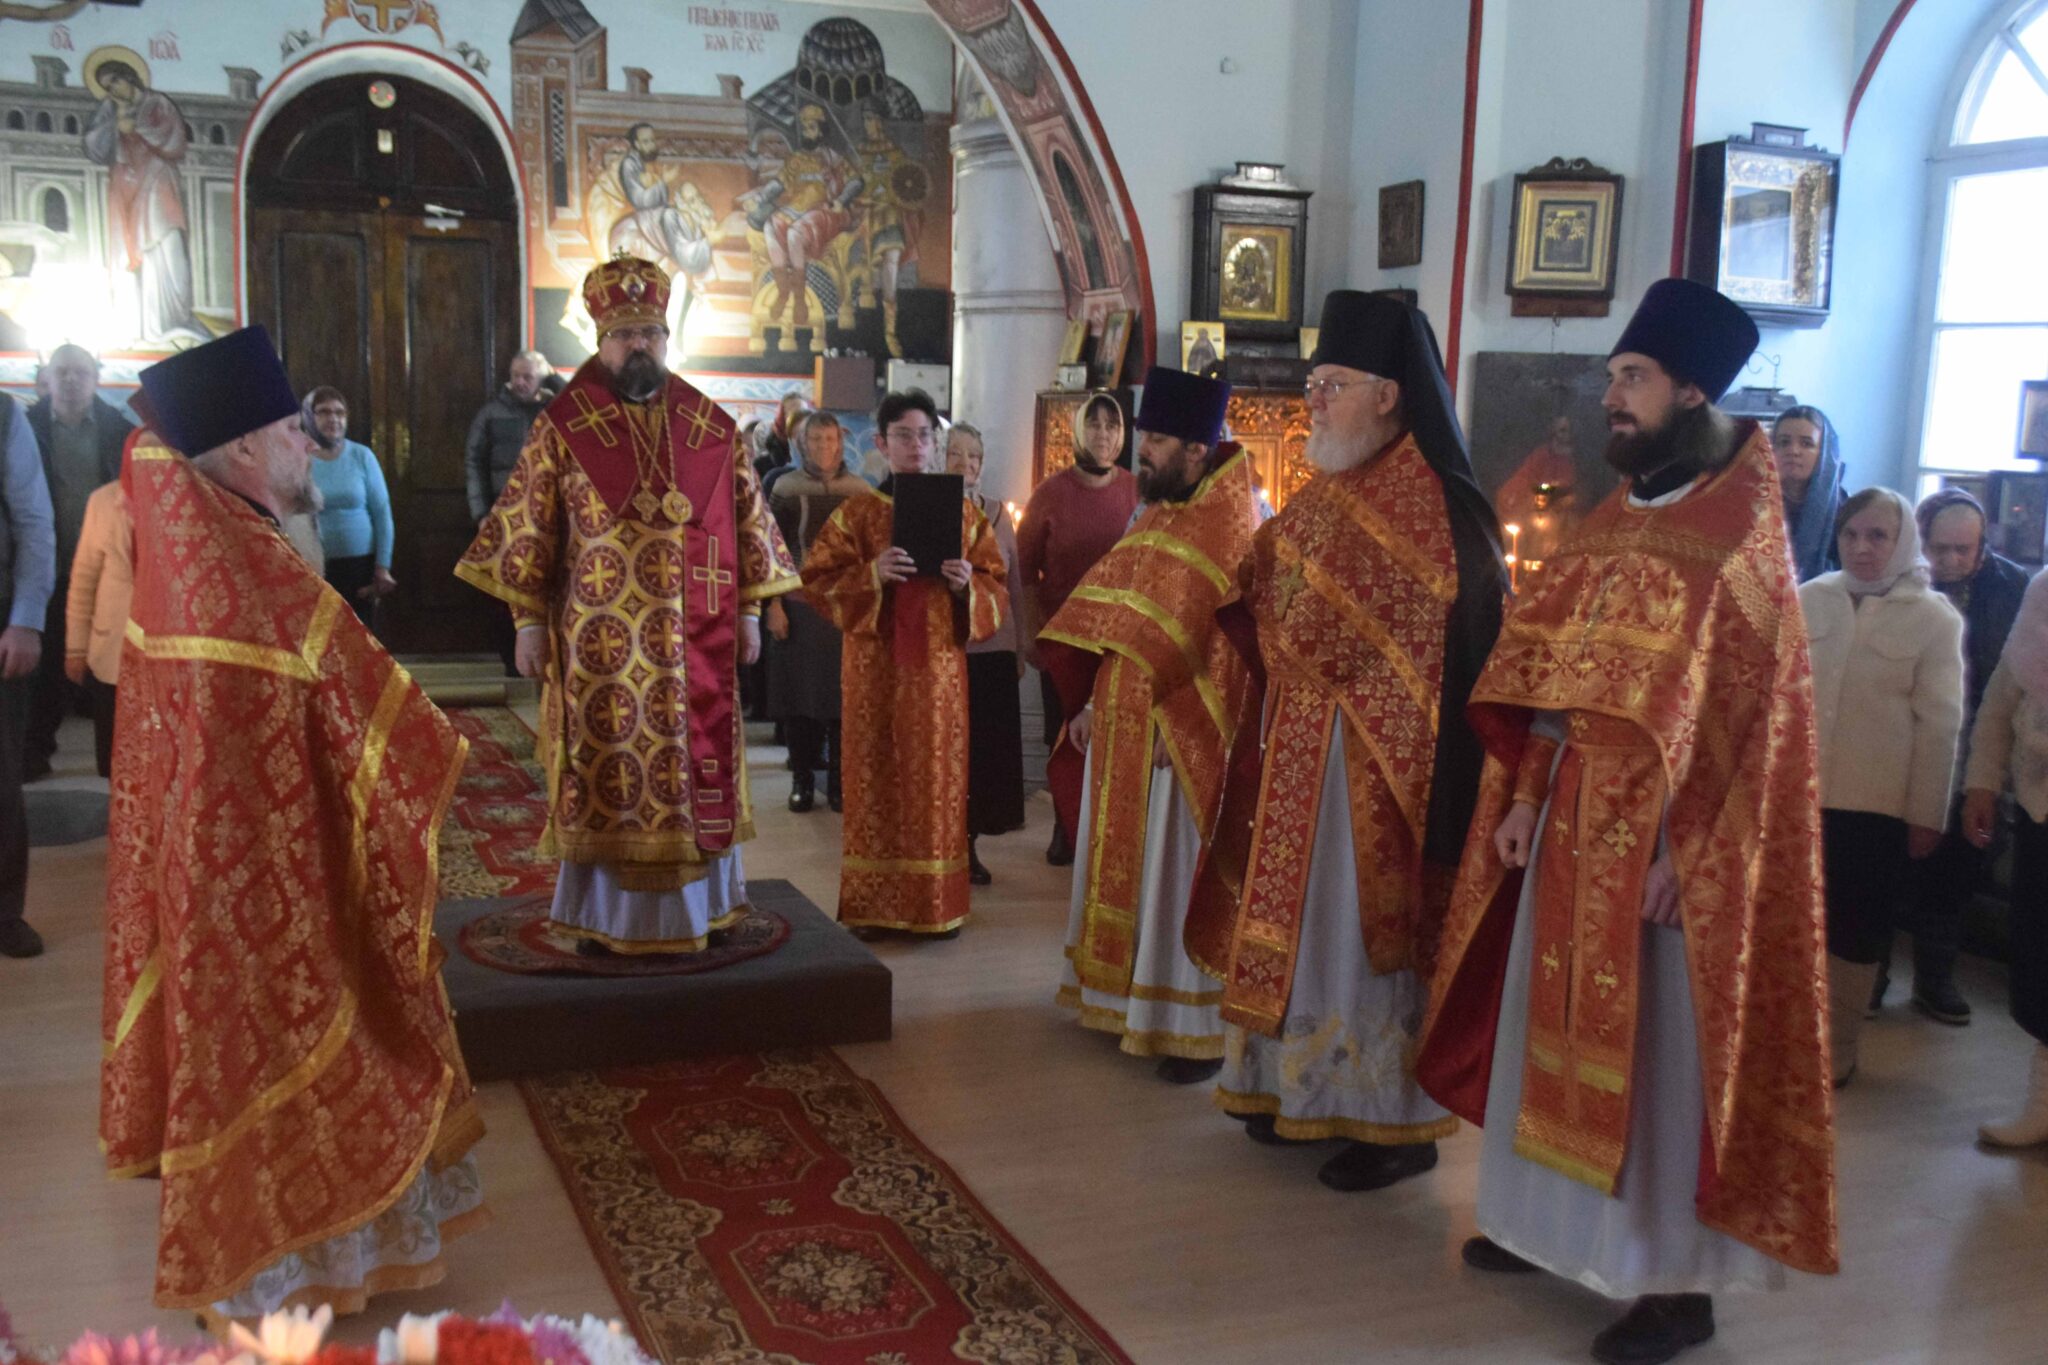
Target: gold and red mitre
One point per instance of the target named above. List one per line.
(626, 292)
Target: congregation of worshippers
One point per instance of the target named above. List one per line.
(1590, 822)
(1606, 861)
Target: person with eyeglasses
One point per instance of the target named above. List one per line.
(903, 680)
(634, 549)
(1070, 522)
(1368, 605)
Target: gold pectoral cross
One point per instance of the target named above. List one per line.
(710, 575)
(702, 421)
(595, 418)
(1286, 586)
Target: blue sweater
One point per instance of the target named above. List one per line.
(357, 517)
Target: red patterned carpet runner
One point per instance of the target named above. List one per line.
(774, 1207)
(500, 807)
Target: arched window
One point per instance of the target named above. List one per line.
(1990, 294)
(43, 122)
(15, 122)
(71, 123)
(56, 210)
(217, 136)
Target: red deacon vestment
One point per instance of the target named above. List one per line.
(903, 719)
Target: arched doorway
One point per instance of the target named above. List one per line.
(383, 256)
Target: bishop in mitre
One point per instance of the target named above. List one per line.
(634, 549)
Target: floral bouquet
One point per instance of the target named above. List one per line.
(295, 1338)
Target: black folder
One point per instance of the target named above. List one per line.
(928, 523)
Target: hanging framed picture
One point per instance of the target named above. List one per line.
(1108, 367)
(1202, 344)
(1564, 237)
(1249, 244)
(1763, 227)
(2033, 444)
(1401, 225)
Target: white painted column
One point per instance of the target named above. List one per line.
(1009, 310)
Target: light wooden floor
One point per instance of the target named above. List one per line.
(1187, 1242)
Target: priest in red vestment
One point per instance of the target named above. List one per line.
(1157, 696)
(634, 549)
(278, 1048)
(1631, 994)
(903, 682)
(1368, 605)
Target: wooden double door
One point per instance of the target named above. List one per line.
(383, 257)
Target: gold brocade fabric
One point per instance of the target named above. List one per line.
(903, 715)
(1351, 587)
(624, 710)
(1584, 977)
(1683, 622)
(1148, 608)
(277, 1046)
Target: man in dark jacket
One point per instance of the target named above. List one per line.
(80, 435)
(1986, 588)
(496, 435)
(499, 430)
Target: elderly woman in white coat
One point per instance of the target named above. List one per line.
(1888, 693)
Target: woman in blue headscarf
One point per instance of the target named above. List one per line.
(1810, 470)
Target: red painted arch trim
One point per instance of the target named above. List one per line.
(1453, 328)
(1682, 205)
(1140, 261)
(1870, 64)
(247, 145)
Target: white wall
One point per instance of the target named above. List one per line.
(1175, 120)
(1408, 124)
(1574, 78)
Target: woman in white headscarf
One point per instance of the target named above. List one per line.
(1888, 705)
(2010, 741)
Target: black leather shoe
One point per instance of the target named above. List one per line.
(803, 793)
(1261, 1128)
(1483, 1253)
(1060, 853)
(944, 935)
(1939, 1000)
(1365, 1166)
(832, 800)
(17, 939)
(590, 947)
(1187, 1070)
(1655, 1329)
(977, 875)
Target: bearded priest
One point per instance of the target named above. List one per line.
(277, 1046)
(1368, 605)
(633, 547)
(1157, 696)
(1632, 989)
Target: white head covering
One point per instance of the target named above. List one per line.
(1905, 563)
(2026, 649)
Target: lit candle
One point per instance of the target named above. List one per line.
(1514, 544)
(1016, 514)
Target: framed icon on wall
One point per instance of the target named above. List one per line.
(1763, 227)
(1564, 235)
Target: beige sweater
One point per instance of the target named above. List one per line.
(2011, 740)
(102, 584)
(1888, 697)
